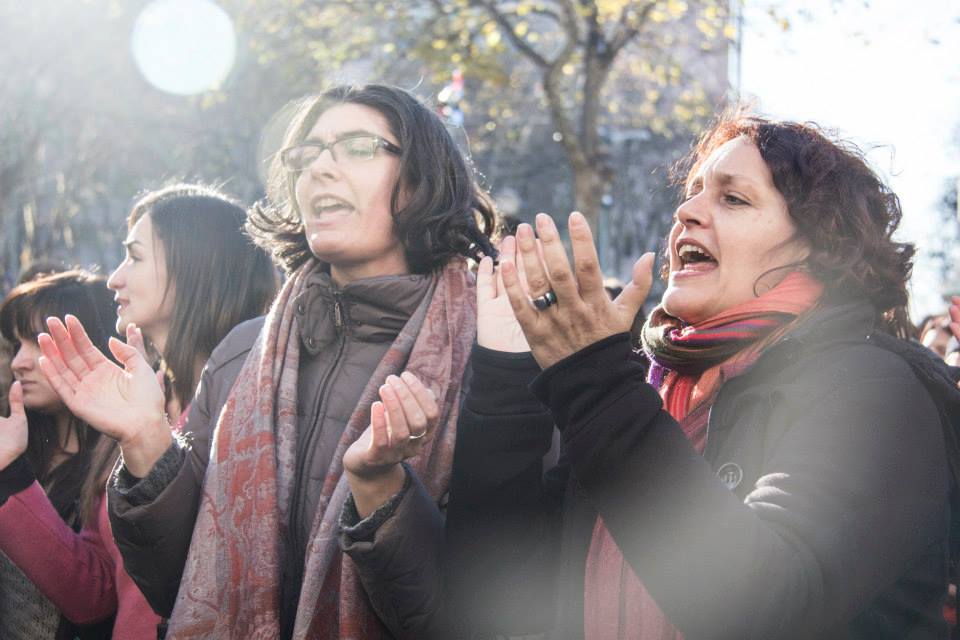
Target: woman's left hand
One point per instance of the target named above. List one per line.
(401, 424)
(583, 312)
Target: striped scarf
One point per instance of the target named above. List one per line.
(689, 365)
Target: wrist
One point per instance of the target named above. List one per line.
(142, 450)
(371, 490)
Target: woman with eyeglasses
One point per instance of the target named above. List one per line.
(189, 276)
(310, 411)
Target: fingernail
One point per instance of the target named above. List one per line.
(524, 231)
(577, 218)
(408, 377)
(542, 220)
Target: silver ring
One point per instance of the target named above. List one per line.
(417, 437)
(543, 302)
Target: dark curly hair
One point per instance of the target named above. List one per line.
(840, 207)
(442, 214)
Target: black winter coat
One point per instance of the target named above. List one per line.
(818, 510)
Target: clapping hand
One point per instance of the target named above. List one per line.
(497, 326)
(401, 424)
(571, 309)
(126, 403)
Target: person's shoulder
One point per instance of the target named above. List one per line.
(236, 344)
(865, 358)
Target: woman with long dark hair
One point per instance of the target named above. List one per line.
(48, 461)
(782, 472)
(190, 275)
(233, 529)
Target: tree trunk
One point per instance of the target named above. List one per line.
(587, 192)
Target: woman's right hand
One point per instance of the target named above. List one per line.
(126, 404)
(13, 430)
(497, 326)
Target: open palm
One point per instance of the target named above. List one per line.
(118, 402)
(497, 326)
(13, 430)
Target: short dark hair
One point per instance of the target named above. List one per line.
(839, 205)
(84, 295)
(444, 212)
(221, 278)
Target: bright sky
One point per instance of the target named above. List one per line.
(886, 74)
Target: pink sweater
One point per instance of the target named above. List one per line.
(81, 573)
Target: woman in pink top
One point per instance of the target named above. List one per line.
(48, 528)
(189, 276)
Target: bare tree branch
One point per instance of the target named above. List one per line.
(508, 30)
(628, 29)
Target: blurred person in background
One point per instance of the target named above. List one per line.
(372, 213)
(935, 334)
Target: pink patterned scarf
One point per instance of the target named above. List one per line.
(230, 587)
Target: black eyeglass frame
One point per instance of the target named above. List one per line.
(323, 146)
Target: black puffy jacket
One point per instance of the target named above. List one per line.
(818, 510)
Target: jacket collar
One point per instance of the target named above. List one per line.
(368, 310)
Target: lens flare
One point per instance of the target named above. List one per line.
(184, 47)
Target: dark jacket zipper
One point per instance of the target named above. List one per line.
(299, 495)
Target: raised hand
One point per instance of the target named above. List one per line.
(497, 326)
(401, 423)
(580, 313)
(13, 430)
(126, 403)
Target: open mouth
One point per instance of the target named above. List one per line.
(329, 204)
(694, 257)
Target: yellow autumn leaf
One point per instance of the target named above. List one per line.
(493, 38)
(676, 8)
(521, 28)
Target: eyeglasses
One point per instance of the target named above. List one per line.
(357, 148)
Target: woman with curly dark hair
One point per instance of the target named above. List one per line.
(372, 213)
(782, 472)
